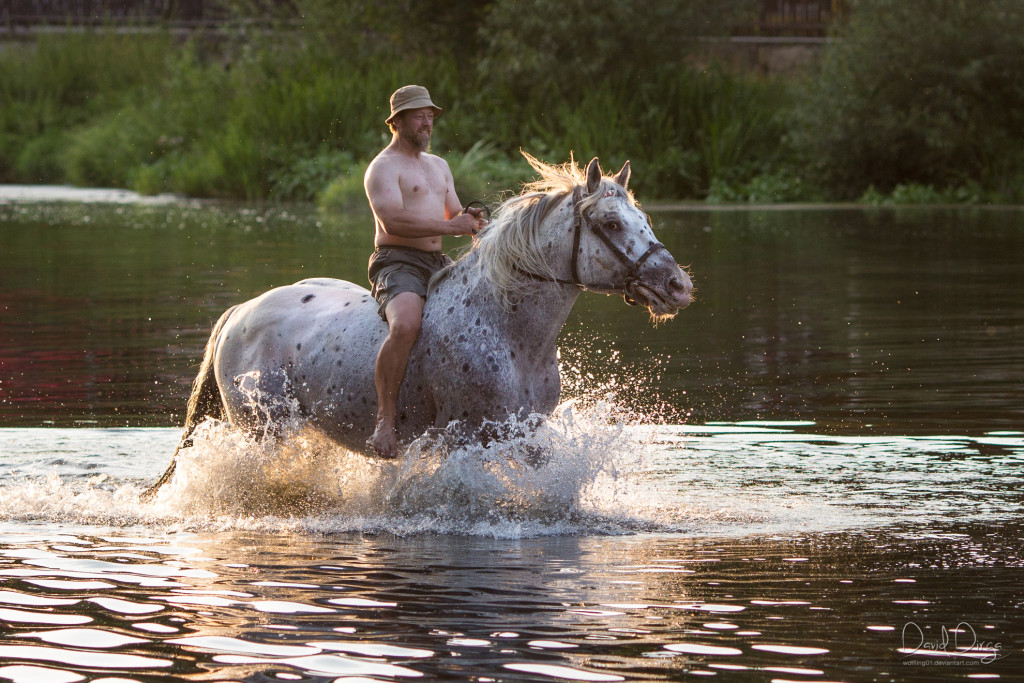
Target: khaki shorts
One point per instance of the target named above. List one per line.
(394, 270)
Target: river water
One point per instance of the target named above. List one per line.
(810, 474)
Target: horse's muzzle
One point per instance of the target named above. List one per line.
(664, 296)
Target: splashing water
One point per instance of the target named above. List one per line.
(586, 470)
(571, 473)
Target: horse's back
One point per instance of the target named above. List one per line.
(309, 346)
(292, 314)
(329, 283)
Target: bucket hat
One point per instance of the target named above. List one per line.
(410, 97)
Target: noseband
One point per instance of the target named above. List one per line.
(632, 278)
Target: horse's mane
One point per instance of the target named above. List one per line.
(511, 243)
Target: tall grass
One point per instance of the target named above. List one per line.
(684, 129)
(61, 83)
(280, 118)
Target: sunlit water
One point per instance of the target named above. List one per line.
(747, 552)
(750, 492)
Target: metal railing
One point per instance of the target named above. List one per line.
(794, 18)
(15, 14)
(767, 17)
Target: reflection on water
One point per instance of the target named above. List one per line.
(755, 552)
(562, 608)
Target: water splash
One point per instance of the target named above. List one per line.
(586, 471)
(573, 473)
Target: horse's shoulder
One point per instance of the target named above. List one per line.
(451, 285)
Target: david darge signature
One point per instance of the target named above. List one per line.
(960, 641)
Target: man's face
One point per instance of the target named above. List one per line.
(415, 127)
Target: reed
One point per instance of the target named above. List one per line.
(61, 82)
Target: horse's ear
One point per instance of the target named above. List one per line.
(622, 177)
(593, 176)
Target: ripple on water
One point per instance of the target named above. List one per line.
(92, 660)
(38, 674)
(563, 672)
(83, 637)
(25, 617)
(413, 604)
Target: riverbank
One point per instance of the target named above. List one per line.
(81, 195)
(29, 194)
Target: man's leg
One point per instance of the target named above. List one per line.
(404, 314)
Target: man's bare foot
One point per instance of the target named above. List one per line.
(383, 441)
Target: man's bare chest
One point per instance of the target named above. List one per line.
(418, 186)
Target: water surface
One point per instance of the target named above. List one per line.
(810, 474)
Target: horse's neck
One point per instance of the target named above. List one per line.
(534, 316)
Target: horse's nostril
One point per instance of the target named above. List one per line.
(680, 283)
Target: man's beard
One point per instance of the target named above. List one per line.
(418, 139)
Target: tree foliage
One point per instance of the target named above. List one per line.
(541, 47)
(920, 91)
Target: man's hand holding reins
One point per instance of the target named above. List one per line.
(468, 222)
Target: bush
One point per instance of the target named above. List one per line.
(923, 194)
(767, 188)
(920, 92)
(345, 192)
(306, 178)
(102, 153)
(38, 159)
(481, 173)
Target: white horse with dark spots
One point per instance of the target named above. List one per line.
(487, 347)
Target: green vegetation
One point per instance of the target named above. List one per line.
(921, 93)
(915, 101)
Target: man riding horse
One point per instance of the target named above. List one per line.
(317, 353)
(412, 195)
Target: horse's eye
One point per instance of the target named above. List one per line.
(613, 225)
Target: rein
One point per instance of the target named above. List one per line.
(632, 278)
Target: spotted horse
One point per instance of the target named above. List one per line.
(487, 347)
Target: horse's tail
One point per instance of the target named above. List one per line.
(204, 402)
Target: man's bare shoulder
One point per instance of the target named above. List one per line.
(435, 160)
(383, 163)
(437, 165)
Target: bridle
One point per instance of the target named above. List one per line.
(627, 288)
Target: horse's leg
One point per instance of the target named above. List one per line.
(488, 432)
(517, 431)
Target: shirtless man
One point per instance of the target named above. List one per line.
(414, 204)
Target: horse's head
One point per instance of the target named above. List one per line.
(584, 229)
(615, 250)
